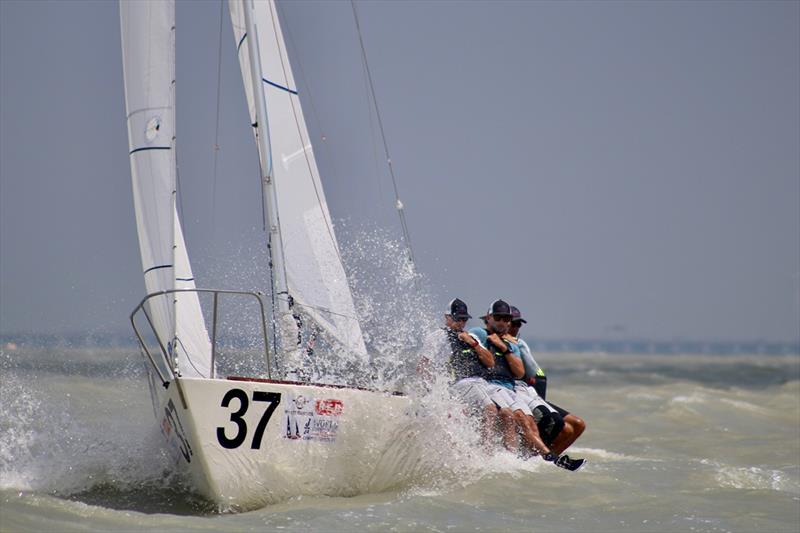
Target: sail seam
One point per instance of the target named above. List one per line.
(144, 109)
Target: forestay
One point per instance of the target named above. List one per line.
(315, 275)
(148, 56)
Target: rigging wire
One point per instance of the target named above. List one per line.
(216, 129)
(307, 85)
(398, 202)
(372, 136)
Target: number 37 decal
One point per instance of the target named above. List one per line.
(237, 417)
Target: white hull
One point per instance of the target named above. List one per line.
(343, 441)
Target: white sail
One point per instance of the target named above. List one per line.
(148, 57)
(315, 276)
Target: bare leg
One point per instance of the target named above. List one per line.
(565, 437)
(488, 431)
(573, 427)
(530, 433)
(508, 429)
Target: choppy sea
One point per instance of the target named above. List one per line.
(674, 442)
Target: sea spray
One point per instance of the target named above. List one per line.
(18, 432)
(392, 301)
(64, 434)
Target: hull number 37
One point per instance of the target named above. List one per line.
(272, 399)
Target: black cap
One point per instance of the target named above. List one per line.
(499, 307)
(516, 315)
(458, 310)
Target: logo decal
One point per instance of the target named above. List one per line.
(312, 419)
(152, 128)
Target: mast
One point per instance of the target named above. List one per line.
(287, 327)
(173, 171)
(309, 278)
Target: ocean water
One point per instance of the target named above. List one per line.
(674, 443)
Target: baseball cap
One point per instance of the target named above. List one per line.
(499, 307)
(516, 315)
(458, 309)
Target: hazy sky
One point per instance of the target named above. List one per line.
(596, 163)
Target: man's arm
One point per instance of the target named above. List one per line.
(484, 356)
(513, 357)
(480, 345)
(515, 365)
(532, 369)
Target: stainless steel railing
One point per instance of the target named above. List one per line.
(166, 378)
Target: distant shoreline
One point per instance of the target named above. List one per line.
(618, 346)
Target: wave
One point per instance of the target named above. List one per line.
(755, 478)
(606, 455)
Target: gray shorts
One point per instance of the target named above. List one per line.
(480, 393)
(531, 398)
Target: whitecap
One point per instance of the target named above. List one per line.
(608, 455)
(755, 478)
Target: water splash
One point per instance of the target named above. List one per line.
(77, 437)
(392, 301)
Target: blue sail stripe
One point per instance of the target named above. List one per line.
(241, 41)
(144, 148)
(288, 90)
(157, 267)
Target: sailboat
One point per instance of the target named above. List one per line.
(245, 441)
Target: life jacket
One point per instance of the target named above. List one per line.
(463, 361)
(501, 371)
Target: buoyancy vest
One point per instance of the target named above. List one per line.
(463, 361)
(500, 371)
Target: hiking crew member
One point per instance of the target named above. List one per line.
(500, 372)
(557, 427)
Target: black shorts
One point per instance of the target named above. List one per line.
(562, 412)
(549, 422)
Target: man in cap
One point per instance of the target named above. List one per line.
(504, 367)
(460, 356)
(558, 427)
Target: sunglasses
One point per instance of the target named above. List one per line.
(501, 318)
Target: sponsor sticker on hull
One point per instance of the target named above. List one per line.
(307, 418)
(172, 429)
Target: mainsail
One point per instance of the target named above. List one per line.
(148, 57)
(315, 277)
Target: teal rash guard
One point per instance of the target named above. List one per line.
(500, 373)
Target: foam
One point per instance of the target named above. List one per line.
(600, 453)
(755, 478)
